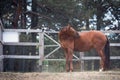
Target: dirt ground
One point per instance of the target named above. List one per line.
(111, 75)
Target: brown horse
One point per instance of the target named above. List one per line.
(71, 40)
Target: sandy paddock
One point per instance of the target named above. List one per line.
(111, 75)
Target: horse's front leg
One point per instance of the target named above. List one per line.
(70, 53)
(69, 56)
(67, 62)
(71, 63)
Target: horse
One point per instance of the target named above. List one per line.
(71, 40)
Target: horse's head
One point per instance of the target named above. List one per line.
(70, 31)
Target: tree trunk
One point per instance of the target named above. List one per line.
(87, 24)
(17, 13)
(99, 17)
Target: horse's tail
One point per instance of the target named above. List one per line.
(107, 53)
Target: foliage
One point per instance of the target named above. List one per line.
(55, 14)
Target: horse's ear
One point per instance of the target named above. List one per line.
(69, 26)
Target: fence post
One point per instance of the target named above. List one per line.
(81, 61)
(41, 49)
(1, 48)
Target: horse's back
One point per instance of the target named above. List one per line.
(93, 34)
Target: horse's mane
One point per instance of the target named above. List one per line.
(66, 32)
(63, 34)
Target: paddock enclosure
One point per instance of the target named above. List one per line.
(41, 55)
(45, 64)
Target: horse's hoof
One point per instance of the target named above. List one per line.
(101, 70)
(71, 70)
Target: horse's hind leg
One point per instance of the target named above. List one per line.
(102, 61)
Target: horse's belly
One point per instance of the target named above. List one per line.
(82, 48)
